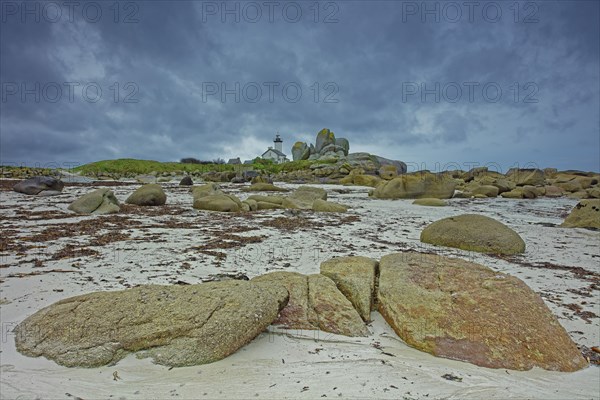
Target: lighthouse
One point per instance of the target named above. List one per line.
(275, 153)
(278, 143)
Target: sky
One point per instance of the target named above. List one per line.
(438, 85)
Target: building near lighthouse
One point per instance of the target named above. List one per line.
(275, 153)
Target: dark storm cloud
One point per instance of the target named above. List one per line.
(362, 76)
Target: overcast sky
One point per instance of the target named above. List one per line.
(438, 85)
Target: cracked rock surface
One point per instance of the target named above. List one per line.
(315, 304)
(175, 325)
(355, 277)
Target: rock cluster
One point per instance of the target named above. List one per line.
(210, 197)
(447, 307)
(526, 183)
(326, 147)
(415, 186)
(333, 162)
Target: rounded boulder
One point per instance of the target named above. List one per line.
(474, 233)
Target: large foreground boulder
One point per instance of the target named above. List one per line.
(416, 186)
(40, 185)
(586, 214)
(355, 277)
(148, 195)
(175, 325)
(101, 201)
(315, 303)
(474, 233)
(464, 311)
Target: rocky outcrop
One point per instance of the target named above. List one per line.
(358, 177)
(175, 325)
(326, 147)
(523, 192)
(40, 185)
(315, 303)
(101, 201)
(484, 190)
(586, 214)
(355, 278)
(473, 232)
(388, 172)
(522, 177)
(464, 311)
(414, 186)
(148, 195)
(386, 162)
(554, 191)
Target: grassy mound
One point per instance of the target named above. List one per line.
(129, 166)
(132, 167)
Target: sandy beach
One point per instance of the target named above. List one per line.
(51, 254)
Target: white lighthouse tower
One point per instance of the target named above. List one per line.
(275, 153)
(278, 143)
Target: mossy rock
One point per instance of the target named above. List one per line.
(175, 325)
(586, 214)
(324, 138)
(473, 232)
(218, 202)
(100, 201)
(148, 195)
(459, 310)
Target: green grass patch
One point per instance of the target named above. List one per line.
(130, 167)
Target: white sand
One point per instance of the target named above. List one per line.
(305, 364)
